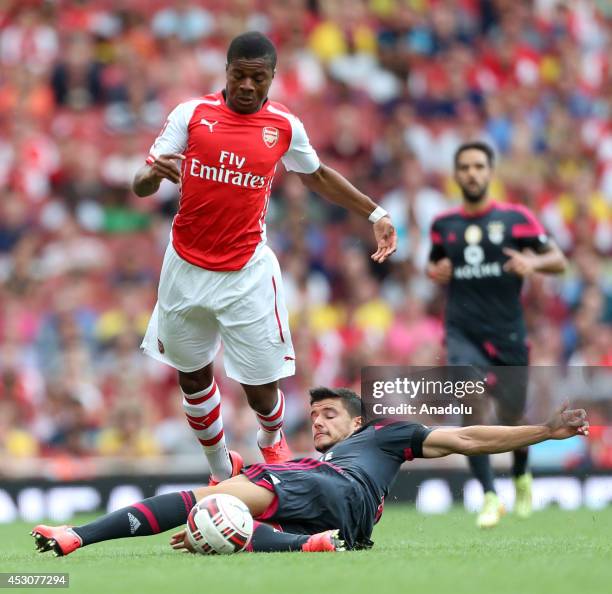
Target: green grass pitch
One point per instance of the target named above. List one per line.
(554, 552)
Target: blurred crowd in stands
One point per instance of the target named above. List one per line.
(387, 89)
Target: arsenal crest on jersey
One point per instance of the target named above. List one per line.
(270, 136)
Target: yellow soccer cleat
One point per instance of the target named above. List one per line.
(491, 512)
(523, 501)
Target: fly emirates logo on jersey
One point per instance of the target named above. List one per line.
(230, 170)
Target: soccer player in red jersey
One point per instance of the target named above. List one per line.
(219, 282)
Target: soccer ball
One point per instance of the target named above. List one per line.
(219, 525)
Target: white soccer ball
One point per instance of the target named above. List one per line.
(219, 525)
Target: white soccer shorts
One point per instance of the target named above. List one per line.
(199, 309)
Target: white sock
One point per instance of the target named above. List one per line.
(203, 412)
(271, 424)
(219, 461)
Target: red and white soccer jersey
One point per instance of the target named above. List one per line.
(227, 176)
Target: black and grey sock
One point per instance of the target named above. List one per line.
(481, 469)
(150, 516)
(520, 462)
(267, 540)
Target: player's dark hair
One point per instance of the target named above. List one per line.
(476, 145)
(252, 45)
(351, 401)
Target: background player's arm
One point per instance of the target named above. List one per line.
(439, 268)
(440, 271)
(337, 189)
(549, 261)
(493, 440)
(536, 251)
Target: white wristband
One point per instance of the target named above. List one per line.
(378, 213)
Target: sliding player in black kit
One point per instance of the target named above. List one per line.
(311, 505)
(484, 250)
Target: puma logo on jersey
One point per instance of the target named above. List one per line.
(209, 124)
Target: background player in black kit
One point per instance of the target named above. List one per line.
(317, 505)
(484, 249)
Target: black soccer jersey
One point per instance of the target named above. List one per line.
(373, 456)
(346, 488)
(483, 299)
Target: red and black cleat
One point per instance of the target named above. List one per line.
(277, 453)
(62, 540)
(237, 464)
(324, 542)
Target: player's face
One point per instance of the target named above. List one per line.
(331, 423)
(248, 82)
(473, 174)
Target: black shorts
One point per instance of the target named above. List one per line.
(465, 348)
(507, 370)
(314, 496)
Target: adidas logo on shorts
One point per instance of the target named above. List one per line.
(134, 523)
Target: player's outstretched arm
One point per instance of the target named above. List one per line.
(149, 176)
(337, 189)
(494, 440)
